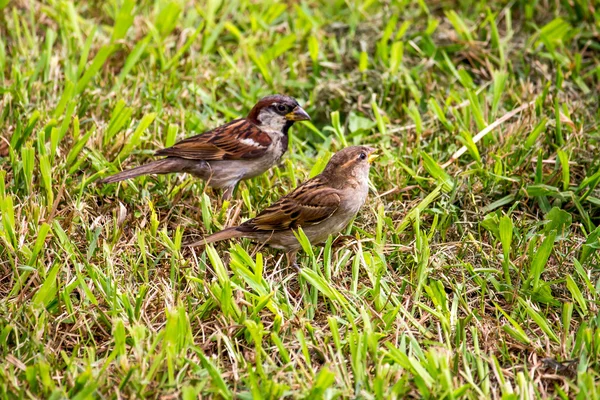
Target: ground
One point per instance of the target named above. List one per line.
(469, 273)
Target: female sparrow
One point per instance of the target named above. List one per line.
(241, 149)
(322, 206)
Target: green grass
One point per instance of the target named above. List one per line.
(471, 275)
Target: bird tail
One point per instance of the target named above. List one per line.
(229, 233)
(164, 166)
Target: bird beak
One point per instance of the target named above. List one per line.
(372, 157)
(298, 114)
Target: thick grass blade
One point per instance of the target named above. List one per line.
(538, 263)
(135, 138)
(506, 232)
(437, 172)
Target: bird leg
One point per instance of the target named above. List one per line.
(291, 259)
(228, 193)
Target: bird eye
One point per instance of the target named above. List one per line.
(281, 108)
(362, 156)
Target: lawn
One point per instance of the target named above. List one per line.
(471, 272)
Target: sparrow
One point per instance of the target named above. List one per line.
(242, 149)
(321, 206)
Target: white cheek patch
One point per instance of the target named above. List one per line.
(250, 142)
(266, 116)
(271, 121)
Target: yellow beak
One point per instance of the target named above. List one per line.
(298, 114)
(372, 157)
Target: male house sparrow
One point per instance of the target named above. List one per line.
(241, 149)
(322, 206)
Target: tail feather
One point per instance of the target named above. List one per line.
(164, 166)
(229, 233)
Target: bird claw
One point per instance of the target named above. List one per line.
(343, 239)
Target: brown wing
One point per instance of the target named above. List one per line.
(309, 204)
(239, 139)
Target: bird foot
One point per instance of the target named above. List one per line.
(291, 259)
(343, 239)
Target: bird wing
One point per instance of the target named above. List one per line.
(311, 203)
(239, 139)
